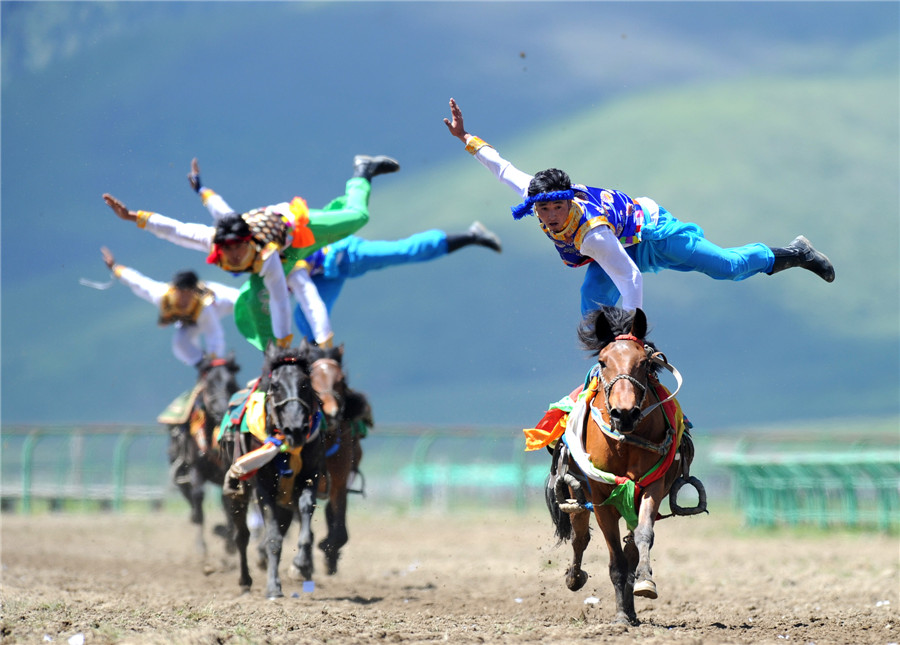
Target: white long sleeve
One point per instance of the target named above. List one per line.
(186, 343)
(189, 235)
(272, 275)
(225, 298)
(311, 303)
(215, 204)
(504, 170)
(601, 245)
(143, 287)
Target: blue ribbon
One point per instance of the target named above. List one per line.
(525, 208)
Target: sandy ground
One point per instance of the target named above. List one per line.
(486, 577)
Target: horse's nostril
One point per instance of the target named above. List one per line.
(624, 418)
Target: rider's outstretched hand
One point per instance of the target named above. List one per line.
(194, 175)
(455, 123)
(119, 208)
(108, 258)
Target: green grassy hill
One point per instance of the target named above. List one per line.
(802, 138)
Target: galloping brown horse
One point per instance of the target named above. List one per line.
(346, 411)
(624, 450)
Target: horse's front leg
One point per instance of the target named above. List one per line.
(241, 539)
(336, 520)
(643, 541)
(620, 573)
(336, 510)
(581, 537)
(302, 565)
(276, 521)
(196, 500)
(228, 508)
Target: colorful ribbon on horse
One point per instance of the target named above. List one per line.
(554, 425)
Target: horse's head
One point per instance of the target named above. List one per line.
(291, 403)
(219, 383)
(328, 380)
(624, 369)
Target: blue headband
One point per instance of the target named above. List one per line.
(525, 208)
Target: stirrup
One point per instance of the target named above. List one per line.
(701, 497)
(362, 483)
(564, 481)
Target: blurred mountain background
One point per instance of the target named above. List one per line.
(759, 121)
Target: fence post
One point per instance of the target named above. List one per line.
(522, 467)
(120, 459)
(420, 454)
(28, 447)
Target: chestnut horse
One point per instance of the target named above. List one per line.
(347, 415)
(284, 470)
(626, 445)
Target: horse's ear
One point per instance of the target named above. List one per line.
(602, 328)
(340, 351)
(639, 324)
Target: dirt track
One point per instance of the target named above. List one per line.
(485, 578)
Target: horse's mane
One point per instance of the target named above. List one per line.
(207, 362)
(618, 322)
(357, 407)
(335, 353)
(276, 356)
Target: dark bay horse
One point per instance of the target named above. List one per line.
(194, 456)
(622, 453)
(347, 417)
(283, 470)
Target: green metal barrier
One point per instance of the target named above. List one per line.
(105, 466)
(847, 486)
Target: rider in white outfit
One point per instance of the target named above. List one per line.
(299, 281)
(193, 307)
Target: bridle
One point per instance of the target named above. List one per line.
(654, 357)
(308, 406)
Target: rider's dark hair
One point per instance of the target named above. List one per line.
(185, 280)
(231, 228)
(548, 181)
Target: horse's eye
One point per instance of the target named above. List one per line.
(602, 365)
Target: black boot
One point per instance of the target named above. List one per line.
(477, 234)
(800, 253)
(367, 167)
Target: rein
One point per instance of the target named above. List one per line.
(313, 424)
(655, 357)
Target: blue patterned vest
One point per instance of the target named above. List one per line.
(593, 207)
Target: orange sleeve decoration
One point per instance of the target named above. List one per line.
(303, 236)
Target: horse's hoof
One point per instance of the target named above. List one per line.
(625, 619)
(331, 566)
(576, 580)
(274, 595)
(301, 573)
(646, 589)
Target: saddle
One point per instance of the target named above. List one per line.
(178, 411)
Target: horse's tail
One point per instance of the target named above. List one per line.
(562, 523)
